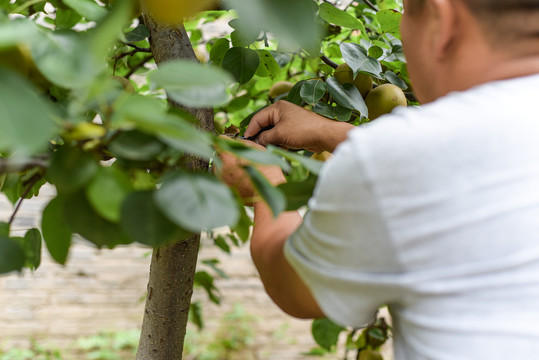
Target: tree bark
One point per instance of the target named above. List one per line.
(172, 267)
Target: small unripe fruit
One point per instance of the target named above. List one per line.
(383, 99)
(370, 355)
(322, 156)
(280, 88)
(344, 75)
(15, 59)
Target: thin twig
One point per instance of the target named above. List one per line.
(10, 166)
(371, 5)
(138, 48)
(329, 62)
(33, 180)
(138, 66)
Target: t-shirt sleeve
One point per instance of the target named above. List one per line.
(342, 251)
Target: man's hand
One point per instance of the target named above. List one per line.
(233, 174)
(297, 128)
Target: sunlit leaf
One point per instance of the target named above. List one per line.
(339, 17)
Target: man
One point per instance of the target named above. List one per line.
(433, 211)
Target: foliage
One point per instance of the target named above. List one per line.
(117, 153)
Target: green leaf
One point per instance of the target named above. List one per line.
(376, 52)
(326, 333)
(56, 233)
(197, 201)
(11, 255)
(32, 248)
(312, 91)
(298, 193)
(25, 118)
(395, 80)
(335, 16)
(206, 281)
(239, 103)
(4, 229)
(292, 22)
(347, 95)
(252, 154)
(389, 21)
(220, 242)
(139, 33)
(16, 31)
(243, 228)
(218, 51)
(193, 84)
(268, 65)
(294, 95)
(355, 56)
(241, 63)
(146, 224)
(87, 8)
(136, 145)
(107, 192)
(62, 57)
(83, 220)
(338, 112)
(66, 18)
(312, 165)
(70, 169)
(195, 314)
(271, 194)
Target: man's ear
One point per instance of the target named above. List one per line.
(446, 28)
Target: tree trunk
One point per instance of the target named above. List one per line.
(173, 267)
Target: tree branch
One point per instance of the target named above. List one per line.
(138, 66)
(138, 48)
(329, 62)
(371, 5)
(30, 184)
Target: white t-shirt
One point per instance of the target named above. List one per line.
(435, 212)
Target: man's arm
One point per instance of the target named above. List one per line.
(280, 280)
(267, 241)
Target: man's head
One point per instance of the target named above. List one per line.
(453, 44)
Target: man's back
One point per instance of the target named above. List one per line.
(435, 212)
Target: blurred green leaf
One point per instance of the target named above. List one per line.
(145, 223)
(139, 33)
(4, 229)
(56, 233)
(326, 333)
(294, 95)
(339, 17)
(298, 193)
(312, 165)
(218, 51)
(20, 30)
(70, 169)
(107, 191)
(292, 22)
(32, 248)
(272, 195)
(206, 281)
(347, 95)
(87, 8)
(241, 63)
(376, 52)
(11, 255)
(21, 109)
(66, 18)
(197, 201)
(192, 84)
(85, 221)
(136, 145)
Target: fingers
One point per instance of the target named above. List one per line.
(264, 118)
